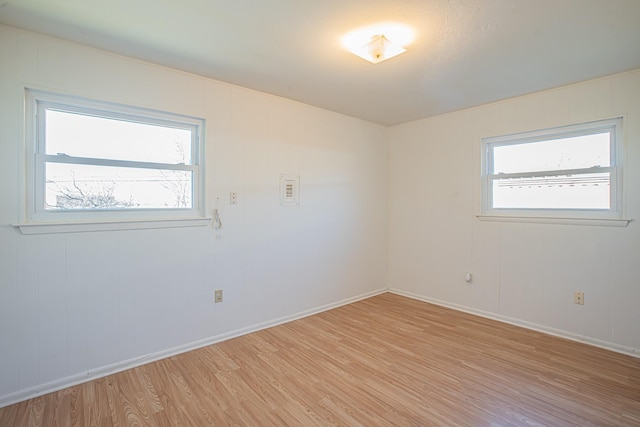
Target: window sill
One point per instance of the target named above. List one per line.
(604, 222)
(88, 226)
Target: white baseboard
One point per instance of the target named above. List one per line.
(635, 352)
(103, 371)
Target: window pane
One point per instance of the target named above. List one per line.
(584, 191)
(568, 153)
(98, 137)
(88, 187)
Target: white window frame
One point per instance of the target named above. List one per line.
(614, 213)
(88, 220)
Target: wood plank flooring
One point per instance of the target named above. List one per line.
(384, 361)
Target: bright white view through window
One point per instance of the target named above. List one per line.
(568, 171)
(92, 157)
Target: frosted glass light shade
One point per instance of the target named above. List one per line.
(379, 42)
(378, 49)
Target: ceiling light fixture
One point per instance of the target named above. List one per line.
(378, 42)
(379, 49)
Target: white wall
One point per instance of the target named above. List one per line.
(523, 273)
(75, 305)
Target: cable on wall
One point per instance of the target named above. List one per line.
(217, 222)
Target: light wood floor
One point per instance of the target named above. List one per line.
(385, 361)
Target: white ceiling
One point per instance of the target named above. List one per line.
(466, 52)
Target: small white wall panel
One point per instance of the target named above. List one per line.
(28, 366)
(50, 264)
(9, 311)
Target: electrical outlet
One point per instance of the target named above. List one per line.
(578, 298)
(233, 198)
(217, 295)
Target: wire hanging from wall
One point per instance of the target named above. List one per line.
(217, 222)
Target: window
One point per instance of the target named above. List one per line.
(567, 172)
(92, 160)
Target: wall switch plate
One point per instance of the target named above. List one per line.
(217, 295)
(578, 298)
(233, 198)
